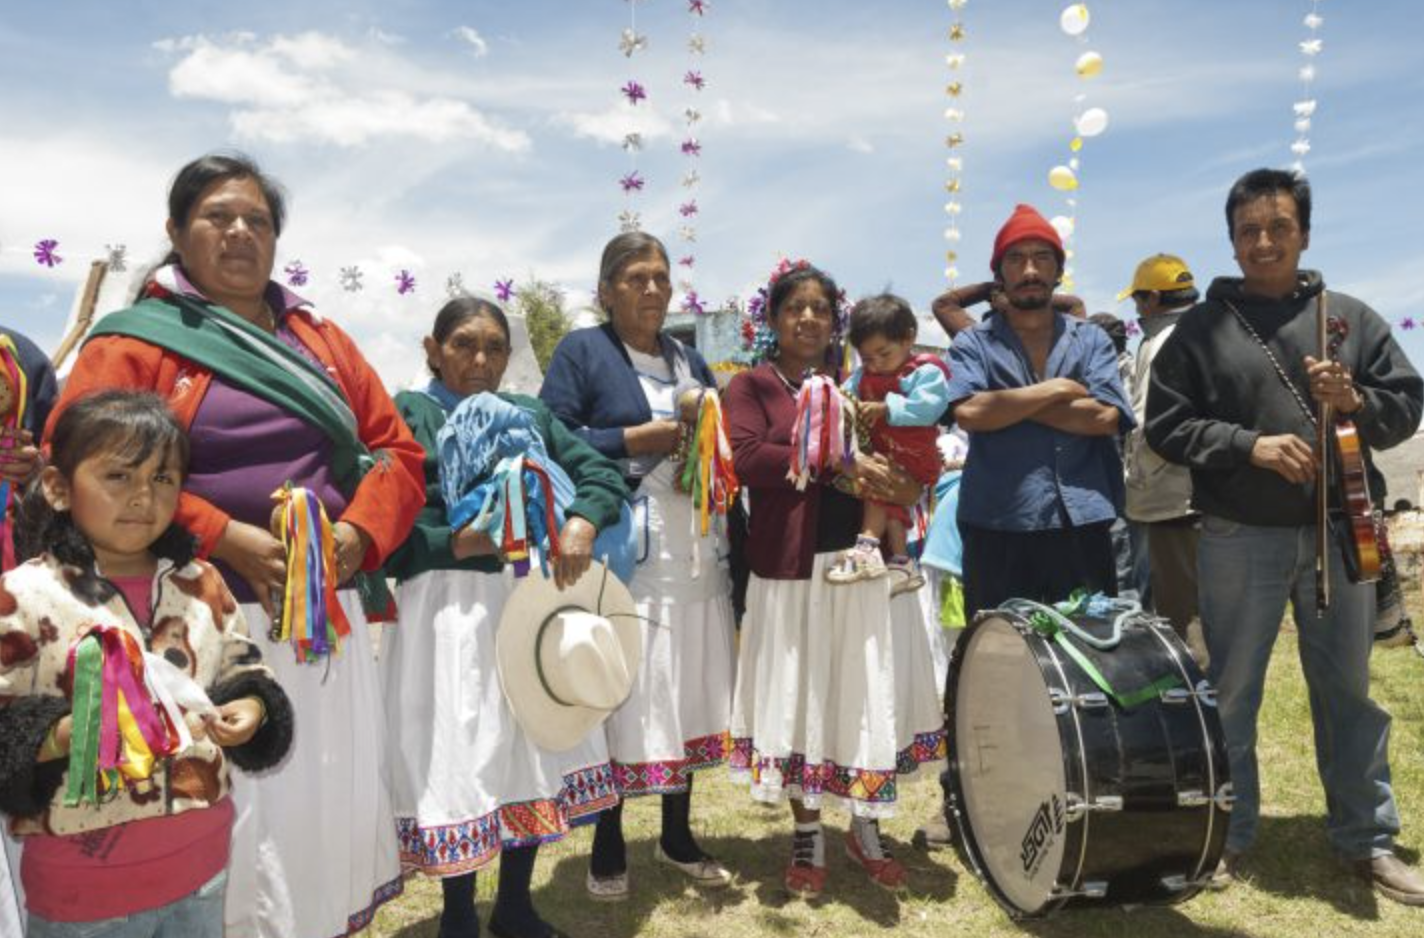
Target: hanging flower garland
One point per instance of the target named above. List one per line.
(954, 139)
(691, 151)
(630, 43)
(1088, 122)
(1304, 109)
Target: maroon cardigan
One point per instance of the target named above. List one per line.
(783, 529)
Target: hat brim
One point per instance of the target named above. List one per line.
(1124, 294)
(555, 726)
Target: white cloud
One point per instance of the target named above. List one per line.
(315, 88)
(859, 144)
(615, 122)
(471, 37)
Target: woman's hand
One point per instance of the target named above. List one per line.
(884, 481)
(351, 546)
(654, 438)
(468, 542)
(19, 460)
(871, 412)
(575, 551)
(237, 721)
(259, 558)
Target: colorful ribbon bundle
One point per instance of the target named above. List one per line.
(312, 617)
(13, 395)
(824, 434)
(123, 722)
(535, 522)
(708, 475)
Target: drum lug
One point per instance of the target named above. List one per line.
(1192, 799)
(1225, 797)
(1103, 804)
(1091, 701)
(1177, 695)
(1092, 889)
(1206, 693)
(1176, 883)
(1060, 701)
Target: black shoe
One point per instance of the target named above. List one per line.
(500, 932)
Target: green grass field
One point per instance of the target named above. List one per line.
(1293, 886)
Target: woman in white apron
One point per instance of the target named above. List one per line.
(628, 390)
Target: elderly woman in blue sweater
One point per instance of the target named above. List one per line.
(622, 386)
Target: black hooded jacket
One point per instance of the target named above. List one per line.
(1214, 391)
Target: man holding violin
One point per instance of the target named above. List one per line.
(1237, 394)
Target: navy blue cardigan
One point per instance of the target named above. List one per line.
(592, 387)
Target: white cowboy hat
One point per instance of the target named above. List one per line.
(567, 658)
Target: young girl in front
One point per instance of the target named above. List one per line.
(901, 396)
(111, 599)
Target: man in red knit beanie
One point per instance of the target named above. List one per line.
(1039, 393)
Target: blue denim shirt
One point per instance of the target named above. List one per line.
(1029, 476)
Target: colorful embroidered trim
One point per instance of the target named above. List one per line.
(452, 849)
(358, 921)
(122, 723)
(672, 775)
(312, 618)
(823, 438)
(793, 774)
(708, 475)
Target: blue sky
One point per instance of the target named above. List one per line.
(407, 143)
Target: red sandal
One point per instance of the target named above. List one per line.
(886, 872)
(803, 876)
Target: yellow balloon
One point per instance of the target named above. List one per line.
(1062, 178)
(1075, 144)
(1090, 65)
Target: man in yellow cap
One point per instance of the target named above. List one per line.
(1159, 494)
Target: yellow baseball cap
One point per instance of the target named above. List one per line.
(1159, 273)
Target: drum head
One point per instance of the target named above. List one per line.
(1010, 763)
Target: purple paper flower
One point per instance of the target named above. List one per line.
(297, 275)
(695, 79)
(1407, 323)
(690, 147)
(45, 253)
(405, 282)
(634, 92)
(632, 182)
(697, 7)
(1132, 329)
(351, 279)
(504, 289)
(687, 261)
(692, 303)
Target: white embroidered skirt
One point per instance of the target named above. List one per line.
(835, 695)
(314, 844)
(465, 779)
(675, 721)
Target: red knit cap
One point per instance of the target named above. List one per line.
(1025, 223)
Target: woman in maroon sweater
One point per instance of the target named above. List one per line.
(835, 691)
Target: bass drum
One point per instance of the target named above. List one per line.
(1062, 797)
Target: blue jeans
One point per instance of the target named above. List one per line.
(197, 915)
(1246, 574)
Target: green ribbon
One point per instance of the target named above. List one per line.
(86, 715)
(1049, 626)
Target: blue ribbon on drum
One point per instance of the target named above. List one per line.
(485, 449)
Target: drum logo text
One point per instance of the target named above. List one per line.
(1042, 831)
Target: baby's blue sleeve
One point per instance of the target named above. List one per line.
(923, 399)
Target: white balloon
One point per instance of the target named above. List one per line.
(1063, 225)
(1091, 122)
(1074, 19)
